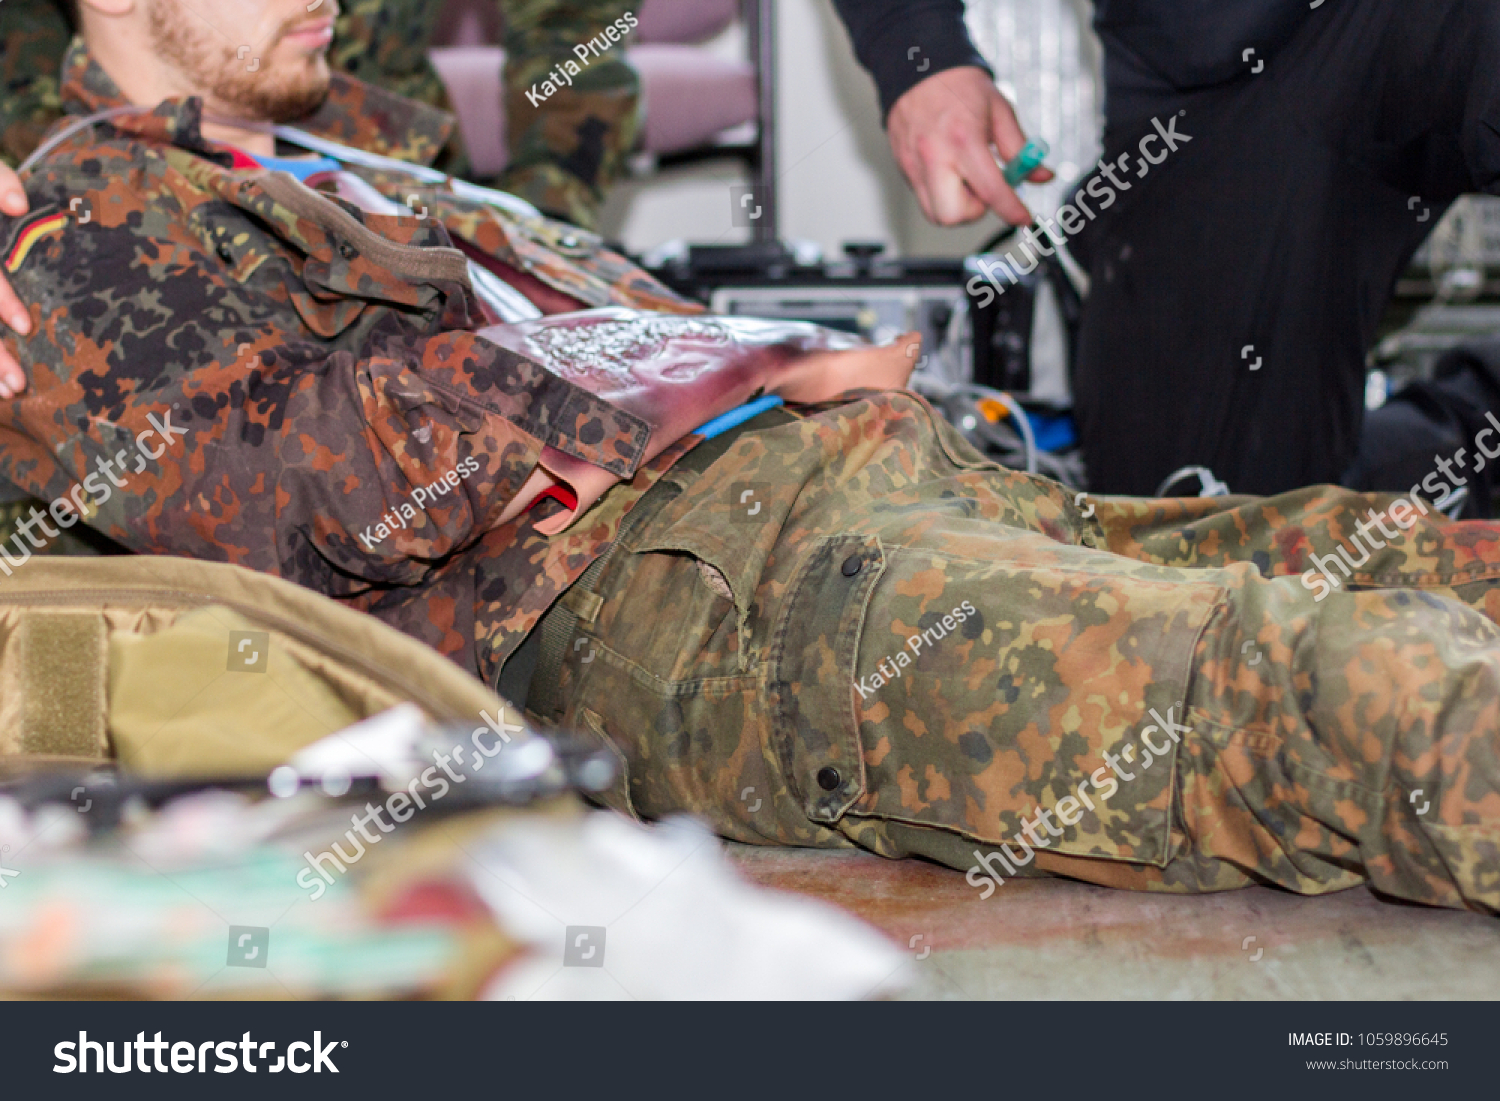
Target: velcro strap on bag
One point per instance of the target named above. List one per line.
(63, 675)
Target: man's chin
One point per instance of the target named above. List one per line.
(285, 101)
(299, 104)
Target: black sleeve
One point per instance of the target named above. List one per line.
(903, 42)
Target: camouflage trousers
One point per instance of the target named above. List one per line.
(853, 630)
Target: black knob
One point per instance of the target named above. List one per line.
(863, 250)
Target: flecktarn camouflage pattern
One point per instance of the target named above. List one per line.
(910, 649)
(568, 144)
(565, 149)
(850, 629)
(33, 36)
(311, 368)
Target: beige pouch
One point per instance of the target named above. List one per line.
(181, 668)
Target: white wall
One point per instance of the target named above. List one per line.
(838, 179)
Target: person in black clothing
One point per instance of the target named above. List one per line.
(1327, 138)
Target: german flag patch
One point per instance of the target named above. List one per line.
(38, 228)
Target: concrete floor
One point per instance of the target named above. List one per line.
(1039, 939)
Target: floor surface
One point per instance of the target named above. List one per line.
(1059, 939)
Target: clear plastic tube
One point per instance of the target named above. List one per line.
(72, 128)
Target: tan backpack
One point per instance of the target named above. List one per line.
(177, 667)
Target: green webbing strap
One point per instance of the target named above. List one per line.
(544, 697)
(560, 624)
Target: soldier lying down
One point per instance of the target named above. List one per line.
(834, 624)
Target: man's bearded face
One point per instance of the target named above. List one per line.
(282, 76)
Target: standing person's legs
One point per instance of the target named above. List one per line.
(1237, 286)
(909, 649)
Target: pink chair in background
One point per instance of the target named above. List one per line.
(690, 96)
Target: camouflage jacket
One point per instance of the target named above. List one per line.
(563, 154)
(227, 365)
(382, 42)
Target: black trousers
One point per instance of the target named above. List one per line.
(1236, 288)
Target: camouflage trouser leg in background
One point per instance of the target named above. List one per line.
(34, 35)
(569, 144)
(853, 630)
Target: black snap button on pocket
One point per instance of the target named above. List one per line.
(828, 778)
(852, 565)
(348, 251)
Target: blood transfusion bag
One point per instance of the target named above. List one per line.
(676, 372)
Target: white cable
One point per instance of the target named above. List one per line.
(1022, 420)
(72, 128)
(1208, 485)
(511, 204)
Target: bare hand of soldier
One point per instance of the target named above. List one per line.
(941, 132)
(12, 378)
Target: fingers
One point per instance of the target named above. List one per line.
(951, 202)
(12, 378)
(985, 179)
(901, 361)
(12, 195)
(823, 376)
(1010, 139)
(945, 132)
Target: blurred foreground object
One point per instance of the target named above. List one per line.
(677, 920)
(187, 811)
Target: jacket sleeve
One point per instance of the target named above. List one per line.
(903, 42)
(171, 407)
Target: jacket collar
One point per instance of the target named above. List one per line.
(354, 114)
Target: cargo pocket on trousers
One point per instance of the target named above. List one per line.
(1015, 704)
(617, 795)
(811, 683)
